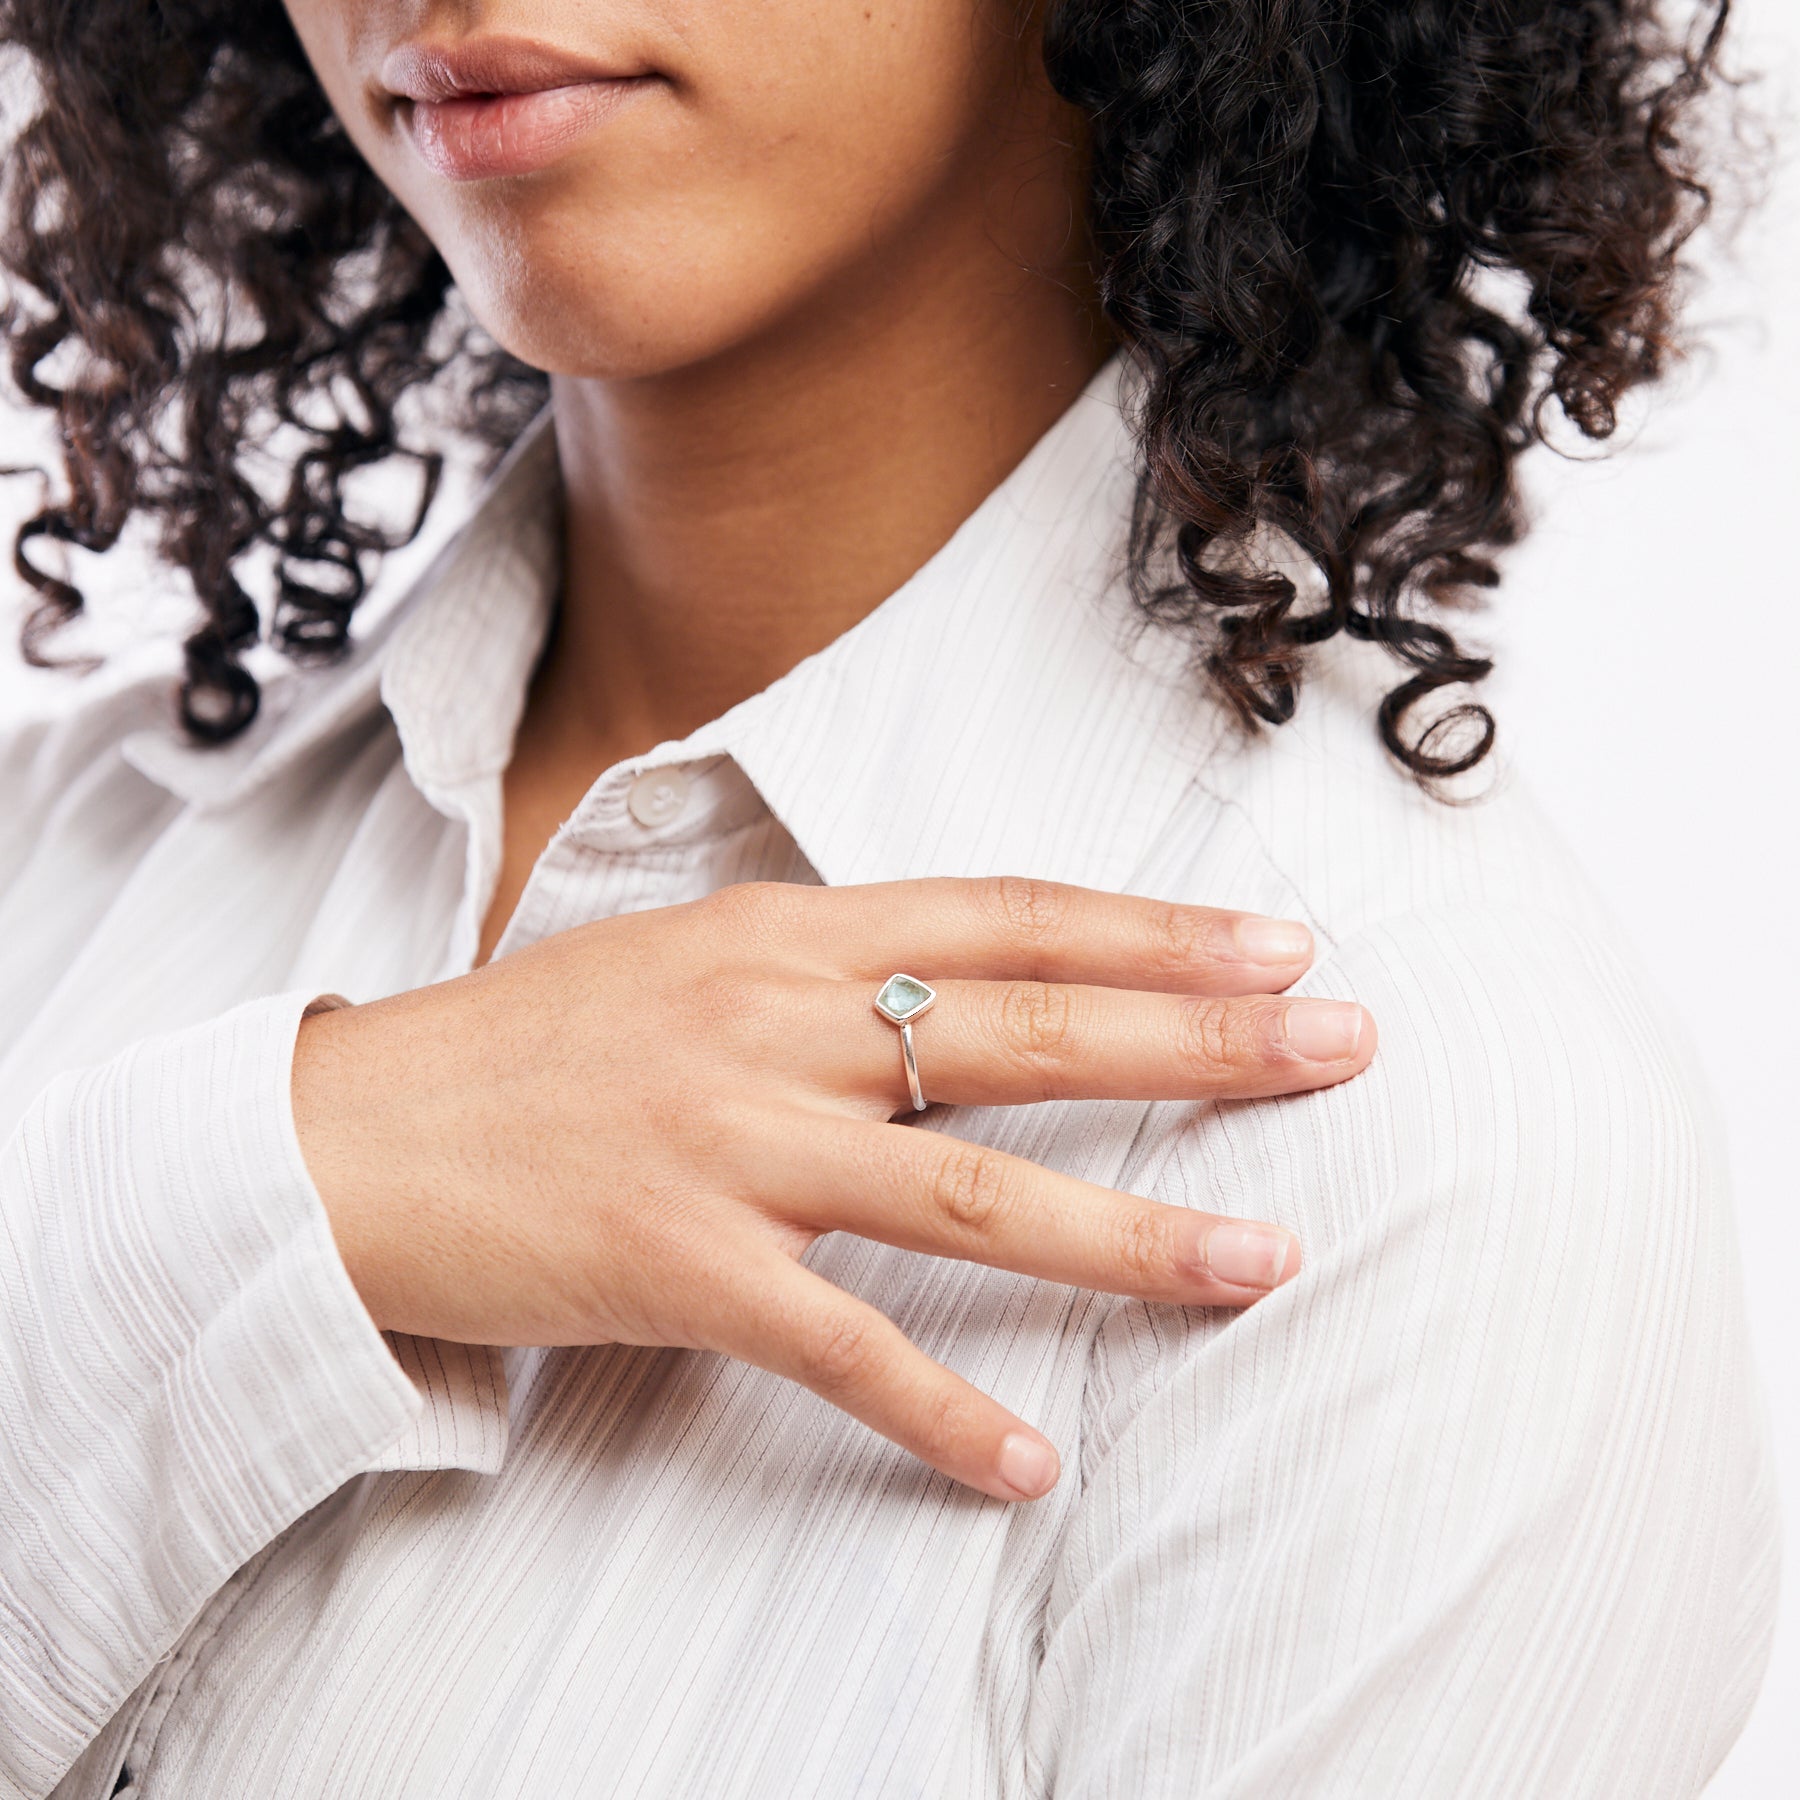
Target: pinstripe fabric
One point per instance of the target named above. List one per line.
(1479, 1505)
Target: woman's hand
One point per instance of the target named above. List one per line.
(629, 1132)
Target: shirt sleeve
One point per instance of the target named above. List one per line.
(185, 1366)
(1480, 1504)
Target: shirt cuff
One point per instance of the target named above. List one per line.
(185, 1366)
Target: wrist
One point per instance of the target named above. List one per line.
(333, 1080)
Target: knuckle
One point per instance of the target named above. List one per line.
(1209, 1040)
(1031, 909)
(1142, 1247)
(838, 1360)
(756, 910)
(970, 1188)
(1037, 1020)
(732, 907)
(1180, 938)
(947, 1418)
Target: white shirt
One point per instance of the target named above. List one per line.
(1479, 1505)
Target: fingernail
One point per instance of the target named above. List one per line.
(1323, 1030)
(1028, 1465)
(1271, 941)
(1248, 1255)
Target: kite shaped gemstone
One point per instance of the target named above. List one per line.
(903, 997)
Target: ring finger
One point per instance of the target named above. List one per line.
(1012, 1043)
(922, 1190)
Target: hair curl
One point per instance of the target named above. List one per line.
(1293, 203)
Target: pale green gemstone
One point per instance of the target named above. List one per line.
(902, 996)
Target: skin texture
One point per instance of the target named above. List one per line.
(806, 296)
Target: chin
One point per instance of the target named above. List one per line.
(593, 330)
(612, 302)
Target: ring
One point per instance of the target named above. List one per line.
(901, 1000)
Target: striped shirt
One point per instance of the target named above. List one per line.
(1479, 1505)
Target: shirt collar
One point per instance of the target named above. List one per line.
(1006, 711)
(451, 659)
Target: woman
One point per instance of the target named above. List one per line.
(989, 455)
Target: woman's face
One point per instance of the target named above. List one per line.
(623, 187)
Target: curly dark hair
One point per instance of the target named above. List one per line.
(1356, 247)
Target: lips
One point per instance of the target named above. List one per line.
(491, 107)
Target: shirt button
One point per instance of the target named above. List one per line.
(657, 797)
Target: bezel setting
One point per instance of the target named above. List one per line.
(903, 998)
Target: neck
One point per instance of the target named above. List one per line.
(730, 519)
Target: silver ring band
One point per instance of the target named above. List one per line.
(912, 1068)
(902, 999)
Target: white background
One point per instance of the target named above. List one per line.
(1649, 640)
(1649, 636)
